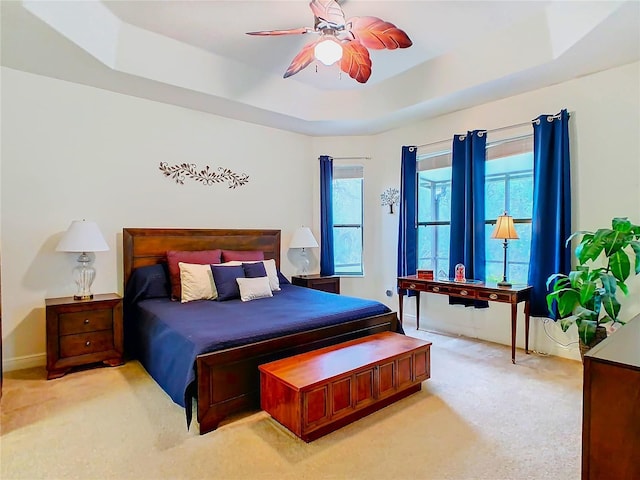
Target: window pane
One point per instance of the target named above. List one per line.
(434, 195)
(493, 271)
(426, 249)
(347, 250)
(347, 201)
(433, 248)
(521, 196)
(494, 192)
(347, 219)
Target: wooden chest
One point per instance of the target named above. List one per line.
(317, 392)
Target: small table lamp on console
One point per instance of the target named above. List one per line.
(83, 237)
(303, 238)
(505, 230)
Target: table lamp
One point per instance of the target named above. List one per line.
(83, 237)
(303, 238)
(505, 230)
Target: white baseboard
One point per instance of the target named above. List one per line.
(27, 361)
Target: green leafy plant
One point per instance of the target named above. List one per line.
(588, 295)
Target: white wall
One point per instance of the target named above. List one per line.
(72, 152)
(605, 162)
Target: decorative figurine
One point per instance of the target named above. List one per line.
(459, 273)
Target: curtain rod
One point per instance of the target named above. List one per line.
(535, 120)
(488, 131)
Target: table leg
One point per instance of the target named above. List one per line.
(417, 309)
(400, 303)
(514, 322)
(526, 326)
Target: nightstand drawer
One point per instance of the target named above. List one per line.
(330, 284)
(85, 321)
(85, 343)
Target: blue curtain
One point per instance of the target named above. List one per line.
(408, 227)
(551, 222)
(327, 266)
(467, 236)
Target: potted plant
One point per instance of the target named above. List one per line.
(588, 295)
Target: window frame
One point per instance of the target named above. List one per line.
(337, 226)
(506, 176)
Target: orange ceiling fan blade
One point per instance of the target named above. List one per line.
(301, 60)
(327, 13)
(292, 31)
(373, 32)
(356, 61)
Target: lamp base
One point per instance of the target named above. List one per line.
(83, 275)
(303, 265)
(83, 297)
(504, 284)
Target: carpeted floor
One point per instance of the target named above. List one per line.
(478, 417)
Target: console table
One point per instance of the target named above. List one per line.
(473, 290)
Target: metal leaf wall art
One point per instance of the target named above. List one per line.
(206, 176)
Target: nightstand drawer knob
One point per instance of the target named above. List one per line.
(87, 343)
(412, 286)
(464, 292)
(86, 321)
(436, 289)
(493, 296)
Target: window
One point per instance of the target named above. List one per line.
(508, 187)
(434, 212)
(347, 219)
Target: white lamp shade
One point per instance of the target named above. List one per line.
(82, 236)
(328, 51)
(303, 238)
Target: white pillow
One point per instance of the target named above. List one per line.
(254, 288)
(197, 282)
(272, 274)
(269, 267)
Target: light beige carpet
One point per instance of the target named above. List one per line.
(478, 417)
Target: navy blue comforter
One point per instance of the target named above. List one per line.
(170, 335)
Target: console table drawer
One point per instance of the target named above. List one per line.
(462, 292)
(495, 296)
(406, 285)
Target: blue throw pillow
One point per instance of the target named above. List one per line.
(224, 276)
(150, 281)
(254, 270)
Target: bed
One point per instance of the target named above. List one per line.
(224, 377)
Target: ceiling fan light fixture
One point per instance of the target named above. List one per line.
(328, 51)
(342, 39)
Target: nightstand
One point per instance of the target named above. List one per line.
(81, 332)
(317, 282)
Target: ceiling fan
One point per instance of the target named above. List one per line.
(342, 40)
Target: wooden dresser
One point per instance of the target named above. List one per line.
(611, 406)
(317, 392)
(80, 332)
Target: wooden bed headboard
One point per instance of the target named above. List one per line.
(148, 246)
